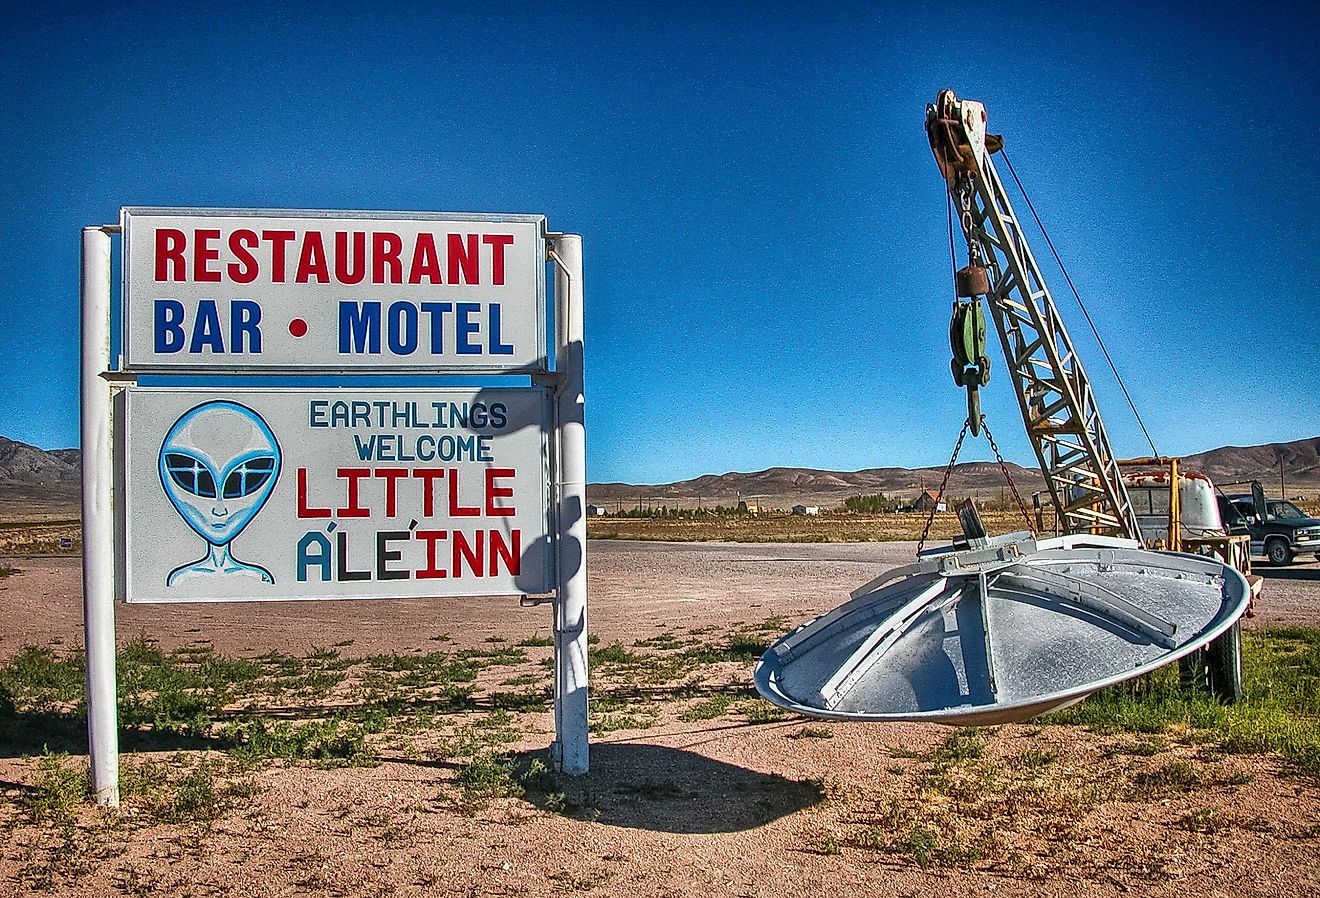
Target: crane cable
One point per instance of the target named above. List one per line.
(1080, 304)
(953, 253)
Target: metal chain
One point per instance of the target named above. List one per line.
(930, 519)
(965, 218)
(1003, 466)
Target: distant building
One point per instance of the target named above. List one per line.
(806, 509)
(926, 501)
(751, 506)
(595, 511)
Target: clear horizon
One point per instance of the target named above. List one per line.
(766, 256)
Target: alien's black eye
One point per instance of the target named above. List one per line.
(249, 477)
(190, 475)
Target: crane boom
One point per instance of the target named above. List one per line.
(1054, 394)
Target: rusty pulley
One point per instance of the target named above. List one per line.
(952, 127)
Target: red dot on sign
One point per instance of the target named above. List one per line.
(297, 327)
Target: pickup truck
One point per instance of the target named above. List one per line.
(1285, 531)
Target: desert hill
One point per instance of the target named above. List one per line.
(783, 487)
(1300, 458)
(30, 473)
(787, 486)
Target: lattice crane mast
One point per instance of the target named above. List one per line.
(1053, 391)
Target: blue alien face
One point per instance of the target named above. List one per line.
(218, 464)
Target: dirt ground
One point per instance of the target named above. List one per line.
(634, 588)
(674, 806)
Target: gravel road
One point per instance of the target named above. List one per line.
(635, 588)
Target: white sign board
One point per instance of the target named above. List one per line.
(262, 291)
(262, 494)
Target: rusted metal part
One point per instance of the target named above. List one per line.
(947, 127)
(943, 129)
(1146, 478)
(973, 280)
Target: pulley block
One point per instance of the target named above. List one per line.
(967, 340)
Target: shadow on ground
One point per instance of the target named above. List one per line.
(1294, 572)
(651, 787)
(27, 733)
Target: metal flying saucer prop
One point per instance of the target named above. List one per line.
(1004, 632)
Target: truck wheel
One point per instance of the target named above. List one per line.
(1278, 552)
(1224, 664)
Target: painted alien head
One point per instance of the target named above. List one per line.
(218, 464)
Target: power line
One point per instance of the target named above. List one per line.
(1080, 304)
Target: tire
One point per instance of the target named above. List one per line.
(1223, 658)
(1278, 552)
(1192, 676)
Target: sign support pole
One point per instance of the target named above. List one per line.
(571, 749)
(97, 520)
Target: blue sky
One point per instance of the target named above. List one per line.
(767, 266)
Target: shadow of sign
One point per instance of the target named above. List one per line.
(652, 787)
(535, 551)
(29, 733)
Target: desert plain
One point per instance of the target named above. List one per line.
(399, 748)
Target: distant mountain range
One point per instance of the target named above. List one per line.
(27, 472)
(787, 486)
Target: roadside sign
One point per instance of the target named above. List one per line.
(265, 291)
(263, 488)
(265, 494)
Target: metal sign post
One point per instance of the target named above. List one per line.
(571, 725)
(97, 519)
(263, 492)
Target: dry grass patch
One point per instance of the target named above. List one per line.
(980, 801)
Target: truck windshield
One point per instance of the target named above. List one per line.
(1284, 510)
